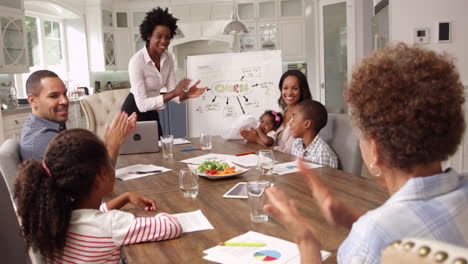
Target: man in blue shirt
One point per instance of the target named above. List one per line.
(47, 96)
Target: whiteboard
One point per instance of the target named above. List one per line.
(238, 83)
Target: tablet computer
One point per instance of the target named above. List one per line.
(238, 191)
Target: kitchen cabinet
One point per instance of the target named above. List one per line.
(268, 36)
(13, 45)
(100, 38)
(123, 48)
(292, 40)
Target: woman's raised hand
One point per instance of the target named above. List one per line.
(182, 86)
(194, 91)
(333, 210)
(286, 213)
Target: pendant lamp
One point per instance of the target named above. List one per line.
(235, 25)
(178, 33)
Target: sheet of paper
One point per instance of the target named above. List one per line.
(178, 141)
(130, 172)
(276, 250)
(290, 167)
(193, 221)
(249, 160)
(210, 156)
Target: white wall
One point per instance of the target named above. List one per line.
(406, 15)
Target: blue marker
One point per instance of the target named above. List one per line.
(187, 149)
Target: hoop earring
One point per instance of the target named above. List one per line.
(373, 172)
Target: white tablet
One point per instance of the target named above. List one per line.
(238, 191)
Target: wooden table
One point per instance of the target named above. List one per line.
(230, 217)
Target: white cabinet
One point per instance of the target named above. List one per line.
(100, 38)
(292, 40)
(13, 45)
(123, 48)
(13, 121)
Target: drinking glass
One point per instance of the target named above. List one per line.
(205, 141)
(188, 183)
(257, 199)
(167, 142)
(266, 163)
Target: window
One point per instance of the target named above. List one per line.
(46, 48)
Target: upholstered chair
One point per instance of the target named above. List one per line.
(100, 108)
(423, 251)
(13, 247)
(340, 136)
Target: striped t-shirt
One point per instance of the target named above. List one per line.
(96, 236)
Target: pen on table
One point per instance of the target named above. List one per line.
(245, 153)
(144, 172)
(240, 244)
(186, 149)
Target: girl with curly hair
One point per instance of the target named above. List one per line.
(60, 204)
(407, 106)
(152, 69)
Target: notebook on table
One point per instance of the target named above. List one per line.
(143, 140)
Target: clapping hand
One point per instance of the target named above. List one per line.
(182, 86)
(286, 213)
(249, 134)
(194, 91)
(333, 210)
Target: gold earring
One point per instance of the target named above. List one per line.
(373, 172)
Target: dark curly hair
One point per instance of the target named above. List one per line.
(409, 100)
(303, 85)
(45, 202)
(277, 118)
(157, 17)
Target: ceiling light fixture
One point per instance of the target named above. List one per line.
(235, 25)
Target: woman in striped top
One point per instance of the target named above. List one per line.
(59, 202)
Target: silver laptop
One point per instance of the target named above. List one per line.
(143, 140)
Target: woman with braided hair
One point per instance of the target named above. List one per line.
(59, 202)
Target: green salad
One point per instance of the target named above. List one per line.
(212, 165)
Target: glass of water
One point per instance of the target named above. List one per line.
(188, 183)
(205, 141)
(266, 163)
(257, 199)
(167, 142)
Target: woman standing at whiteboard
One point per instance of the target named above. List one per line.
(152, 69)
(294, 89)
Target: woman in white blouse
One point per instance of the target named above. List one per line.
(152, 68)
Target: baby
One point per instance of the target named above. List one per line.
(265, 134)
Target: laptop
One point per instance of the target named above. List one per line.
(143, 140)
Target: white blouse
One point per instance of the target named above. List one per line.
(146, 81)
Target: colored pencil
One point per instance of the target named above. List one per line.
(245, 153)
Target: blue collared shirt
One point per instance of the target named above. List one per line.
(36, 134)
(434, 207)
